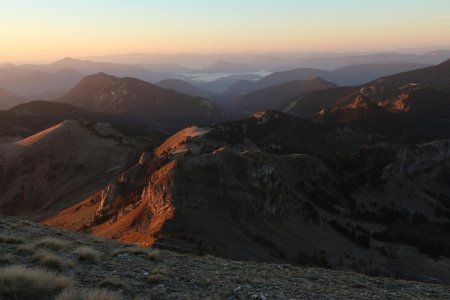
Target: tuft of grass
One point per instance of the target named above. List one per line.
(52, 243)
(25, 249)
(11, 239)
(88, 294)
(88, 254)
(157, 276)
(6, 259)
(150, 253)
(113, 283)
(154, 254)
(19, 282)
(50, 260)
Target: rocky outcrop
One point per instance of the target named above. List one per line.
(107, 197)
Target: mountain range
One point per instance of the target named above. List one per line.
(222, 66)
(396, 93)
(352, 178)
(8, 99)
(42, 85)
(51, 80)
(141, 100)
(282, 62)
(346, 76)
(185, 87)
(277, 96)
(274, 188)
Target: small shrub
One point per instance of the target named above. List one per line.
(19, 282)
(88, 254)
(88, 294)
(52, 243)
(11, 239)
(52, 261)
(25, 249)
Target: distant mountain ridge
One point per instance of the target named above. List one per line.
(184, 87)
(282, 62)
(130, 96)
(351, 75)
(87, 67)
(382, 91)
(222, 66)
(58, 77)
(278, 96)
(8, 99)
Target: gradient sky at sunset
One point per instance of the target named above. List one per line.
(49, 29)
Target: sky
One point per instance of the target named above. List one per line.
(45, 30)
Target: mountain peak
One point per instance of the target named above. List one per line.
(128, 96)
(101, 75)
(446, 63)
(318, 79)
(66, 60)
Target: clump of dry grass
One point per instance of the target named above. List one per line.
(88, 254)
(13, 225)
(26, 249)
(52, 243)
(88, 294)
(52, 261)
(150, 253)
(6, 258)
(157, 276)
(154, 254)
(113, 283)
(19, 282)
(11, 239)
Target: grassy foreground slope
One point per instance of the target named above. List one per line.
(94, 266)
